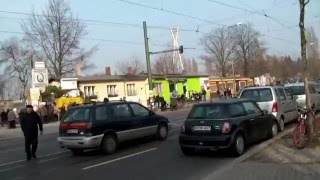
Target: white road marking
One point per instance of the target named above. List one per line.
(118, 159)
(3, 170)
(46, 155)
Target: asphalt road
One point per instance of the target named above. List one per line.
(145, 159)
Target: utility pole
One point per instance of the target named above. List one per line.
(303, 4)
(146, 45)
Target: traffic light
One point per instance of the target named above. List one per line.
(181, 49)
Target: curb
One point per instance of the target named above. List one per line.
(247, 155)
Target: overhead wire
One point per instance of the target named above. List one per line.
(246, 10)
(85, 38)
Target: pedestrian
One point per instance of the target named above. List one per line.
(11, 119)
(43, 113)
(29, 125)
(219, 94)
(204, 94)
(4, 117)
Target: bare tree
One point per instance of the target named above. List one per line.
(20, 59)
(190, 66)
(164, 64)
(303, 4)
(2, 88)
(56, 35)
(219, 47)
(247, 45)
(134, 63)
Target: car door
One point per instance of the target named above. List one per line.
(147, 121)
(238, 113)
(282, 103)
(291, 105)
(123, 122)
(259, 124)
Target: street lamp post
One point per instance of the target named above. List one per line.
(234, 78)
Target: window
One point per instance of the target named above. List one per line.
(288, 94)
(112, 91)
(281, 94)
(258, 95)
(89, 91)
(159, 88)
(101, 113)
(251, 108)
(78, 114)
(236, 110)
(121, 111)
(131, 90)
(139, 110)
(214, 111)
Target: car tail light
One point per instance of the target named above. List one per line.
(183, 128)
(275, 107)
(226, 128)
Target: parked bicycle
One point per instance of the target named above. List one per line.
(300, 135)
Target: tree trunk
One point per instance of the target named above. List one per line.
(305, 60)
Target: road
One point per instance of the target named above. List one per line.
(142, 160)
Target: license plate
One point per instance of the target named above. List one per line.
(72, 131)
(202, 128)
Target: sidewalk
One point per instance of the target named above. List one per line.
(6, 134)
(275, 159)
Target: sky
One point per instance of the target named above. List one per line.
(282, 35)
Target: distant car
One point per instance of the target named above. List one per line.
(276, 100)
(226, 124)
(105, 125)
(298, 91)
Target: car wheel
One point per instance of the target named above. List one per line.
(76, 151)
(109, 144)
(274, 130)
(238, 145)
(187, 151)
(162, 132)
(281, 124)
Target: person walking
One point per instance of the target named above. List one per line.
(29, 125)
(11, 119)
(204, 94)
(43, 113)
(4, 117)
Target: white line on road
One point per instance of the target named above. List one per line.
(46, 155)
(118, 159)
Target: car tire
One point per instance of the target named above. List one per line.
(109, 144)
(274, 130)
(162, 132)
(281, 124)
(187, 151)
(77, 152)
(239, 145)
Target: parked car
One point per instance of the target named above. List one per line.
(226, 124)
(276, 100)
(298, 91)
(105, 125)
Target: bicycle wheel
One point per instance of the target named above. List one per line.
(300, 136)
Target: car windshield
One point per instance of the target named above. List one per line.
(212, 111)
(77, 115)
(258, 95)
(296, 90)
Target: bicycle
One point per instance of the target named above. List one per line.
(300, 134)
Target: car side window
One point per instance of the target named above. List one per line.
(101, 113)
(236, 110)
(139, 110)
(288, 94)
(251, 108)
(281, 94)
(121, 111)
